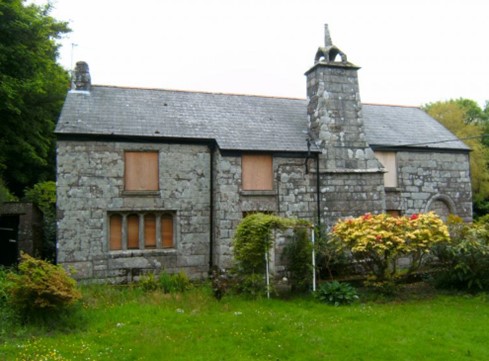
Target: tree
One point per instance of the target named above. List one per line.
(32, 90)
(43, 195)
(468, 122)
(473, 112)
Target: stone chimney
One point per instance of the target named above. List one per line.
(82, 80)
(335, 111)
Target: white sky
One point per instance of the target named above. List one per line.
(411, 52)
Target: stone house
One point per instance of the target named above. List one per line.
(152, 179)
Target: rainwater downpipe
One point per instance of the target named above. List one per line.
(318, 195)
(212, 148)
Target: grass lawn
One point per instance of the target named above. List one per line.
(116, 323)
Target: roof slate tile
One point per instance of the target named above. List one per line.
(236, 122)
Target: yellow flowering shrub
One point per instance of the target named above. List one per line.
(378, 241)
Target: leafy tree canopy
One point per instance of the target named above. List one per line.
(469, 122)
(32, 90)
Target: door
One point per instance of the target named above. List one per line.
(9, 249)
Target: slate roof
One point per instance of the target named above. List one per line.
(398, 126)
(235, 122)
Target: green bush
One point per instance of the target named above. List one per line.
(297, 256)
(40, 287)
(253, 285)
(171, 283)
(253, 239)
(336, 293)
(464, 263)
(43, 195)
(148, 282)
(7, 314)
(331, 261)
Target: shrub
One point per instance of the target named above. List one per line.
(465, 261)
(171, 283)
(253, 284)
(336, 293)
(252, 241)
(332, 261)
(43, 194)
(148, 282)
(4, 281)
(297, 257)
(377, 242)
(7, 316)
(219, 282)
(41, 286)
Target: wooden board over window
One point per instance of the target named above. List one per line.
(115, 241)
(388, 160)
(257, 172)
(167, 231)
(149, 231)
(133, 231)
(141, 171)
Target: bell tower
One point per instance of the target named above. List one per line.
(335, 110)
(349, 177)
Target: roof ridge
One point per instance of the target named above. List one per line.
(196, 92)
(393, 105)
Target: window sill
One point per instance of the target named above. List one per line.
(392, 189)
(141, 252)
(141, 193)
(258, 193)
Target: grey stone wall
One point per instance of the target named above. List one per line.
(293, 196)
(433, 181)
(90, 184)
(350, 194)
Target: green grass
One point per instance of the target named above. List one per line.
(116, 323)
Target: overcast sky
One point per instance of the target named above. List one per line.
(410, 52)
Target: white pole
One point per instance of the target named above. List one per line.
(313, 263)
(268, 274)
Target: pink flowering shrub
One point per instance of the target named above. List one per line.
(377, 242)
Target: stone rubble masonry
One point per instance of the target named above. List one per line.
(433, 181)
(90, 184)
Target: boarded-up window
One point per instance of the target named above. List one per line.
(257, 172)
(150, 231)
(167, 231)
(388, 160)
(133, 231)
(115, 241)
(141, 171)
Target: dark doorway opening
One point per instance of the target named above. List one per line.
(9, 240)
